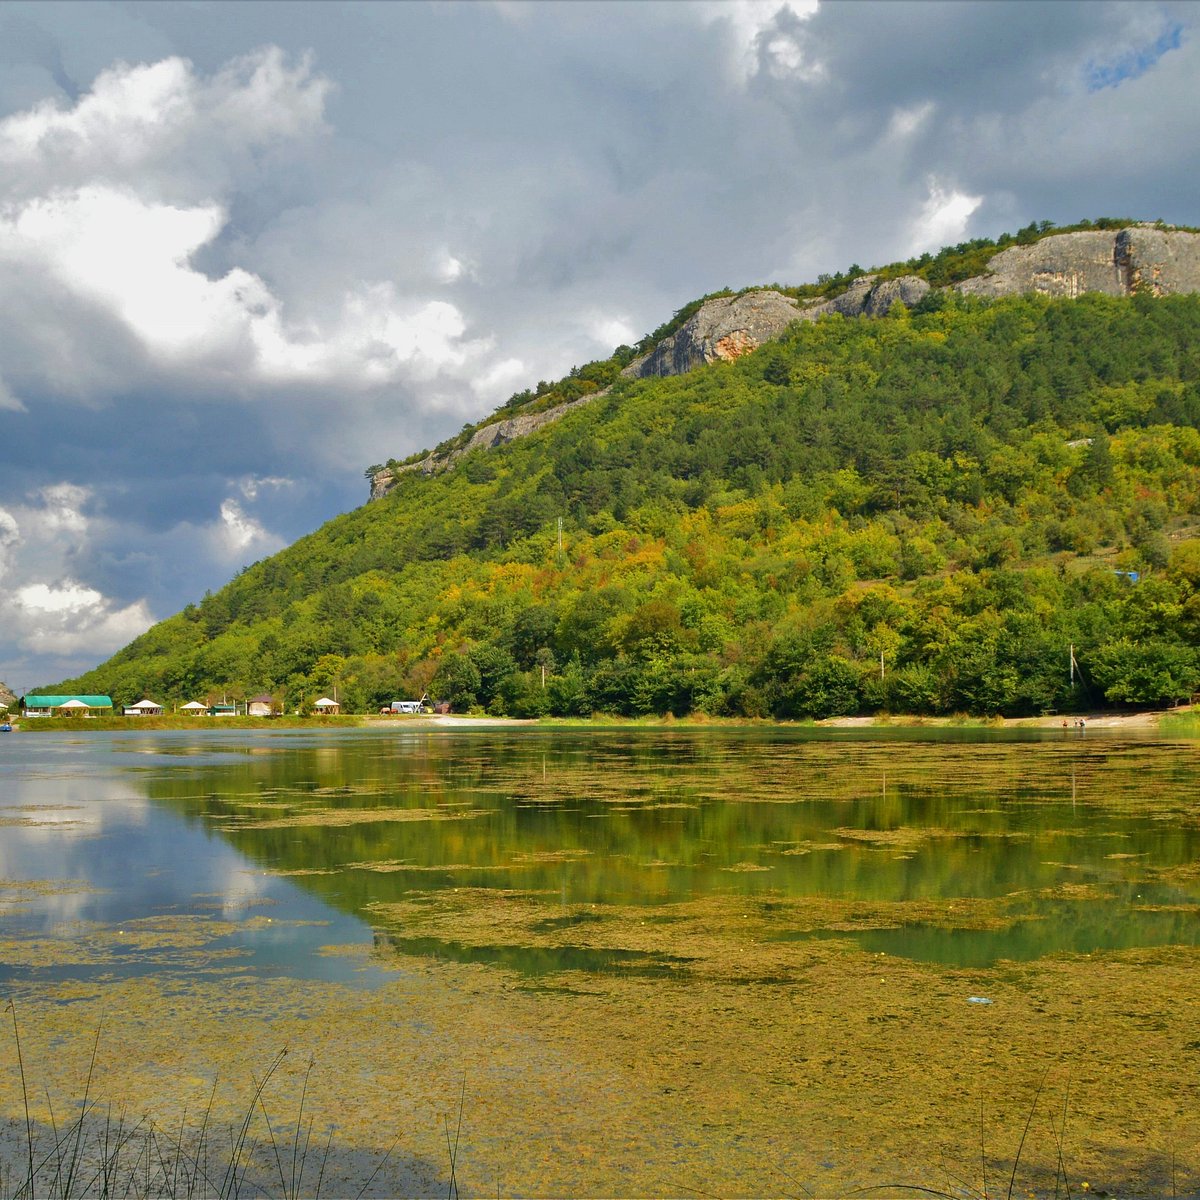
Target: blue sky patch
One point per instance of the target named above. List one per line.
(1134, 62)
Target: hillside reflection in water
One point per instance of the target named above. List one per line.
(1078, 844)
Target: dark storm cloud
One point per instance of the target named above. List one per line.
(258, 247)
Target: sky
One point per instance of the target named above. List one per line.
(248, 250)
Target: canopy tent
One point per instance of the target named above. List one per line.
(194, 706)
(42, 705)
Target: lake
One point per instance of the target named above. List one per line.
(620, 961)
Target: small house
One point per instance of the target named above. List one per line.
(260, 706)
(327, 707)
(223, 710)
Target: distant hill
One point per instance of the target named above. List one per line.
(909, 489)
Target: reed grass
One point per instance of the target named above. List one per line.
(102, 1152)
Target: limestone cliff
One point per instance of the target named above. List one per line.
(1139, 258)
(725, 328)
(729, 326)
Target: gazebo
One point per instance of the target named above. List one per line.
(327, 707)
(194, 707)
(143, 708)
(72, 708)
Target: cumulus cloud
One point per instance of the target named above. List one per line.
(943, 218)
(64, 618)
(611, 332)
(110, 201)
(162, 127)
(237, 535)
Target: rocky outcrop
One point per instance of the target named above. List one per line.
(1139, 258)
(730, 326)
(866, 298)
(7, 697)
(724, 329)
(498, 433)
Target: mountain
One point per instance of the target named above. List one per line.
(910, 489)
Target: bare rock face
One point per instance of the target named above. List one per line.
(1139, 258)
(723, 329)
(866, 298)
(730, 326)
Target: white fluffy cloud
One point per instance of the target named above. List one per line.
(64, 618)
(237, 536)
(110, 202)
(49, 612)
(163, 128)
(943, 218)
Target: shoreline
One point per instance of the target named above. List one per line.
(1185, 716)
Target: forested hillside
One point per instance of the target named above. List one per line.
(917, 513)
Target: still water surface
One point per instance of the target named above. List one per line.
(281, 843)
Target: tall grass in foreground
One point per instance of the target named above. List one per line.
(105, 1153)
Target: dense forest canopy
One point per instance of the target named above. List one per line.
(917, 513)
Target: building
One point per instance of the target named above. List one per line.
(260, 706)
(67, 706)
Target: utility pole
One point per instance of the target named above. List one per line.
(1071, 652)
(560, 545)
(880, 664)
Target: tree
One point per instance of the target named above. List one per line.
(457, 682)
(1153, 672)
